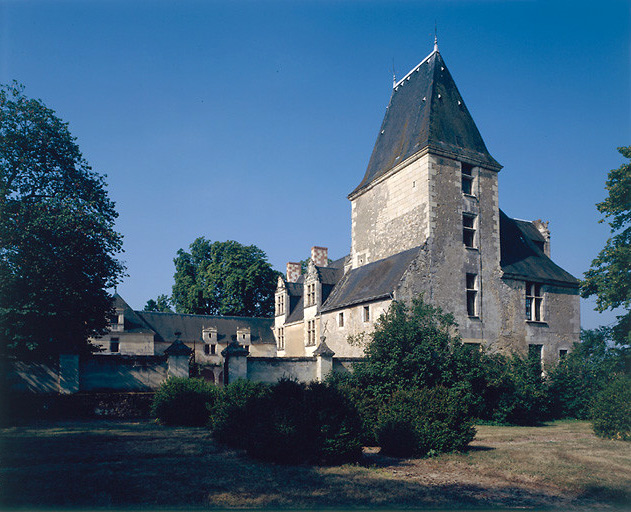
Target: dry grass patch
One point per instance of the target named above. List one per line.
(106, 464)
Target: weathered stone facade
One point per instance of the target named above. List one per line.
(426, 220)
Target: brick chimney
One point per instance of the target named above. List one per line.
(293, 272)
(320, 256)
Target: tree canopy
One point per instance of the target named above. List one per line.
(57, 237)
(609, 277)
(162, 304)
(223, 278)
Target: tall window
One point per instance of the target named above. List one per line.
(534, 302)
(310, 294)
(472, 294)
(468, 230)
(366, 313)
(114, 345)
(340, 319)
(311, 333)
(467, 178)
(281, 338)
(280, 304)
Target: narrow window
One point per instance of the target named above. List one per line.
(340, 320)
(281, 338)
(467, 179)
(472, 295)
(562, 353)
(468, 230)
(310, 294)
(114, 345)
(280, 305)
(534, 302)
(206, 349)
(311, 333)
(366, 313)
(213, 349)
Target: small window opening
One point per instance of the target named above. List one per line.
(114, 345)
(340, 320)
(534, 302)
(468, 230)
(472, 293)
(562, 353)
(467, 178)
(366, 313)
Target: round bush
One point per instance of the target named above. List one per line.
(611, 414)
(417, 422)
(185, 402)
(290, 422)
(232, 414)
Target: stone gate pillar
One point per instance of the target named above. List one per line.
(324, 360)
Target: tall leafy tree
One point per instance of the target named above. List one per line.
(57, 237)
(162, 304)
(223, 278)
(609, 277)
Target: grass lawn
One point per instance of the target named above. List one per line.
(108, 464)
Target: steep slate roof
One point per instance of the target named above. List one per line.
(133, 323)
(369, 282)
(522, 259)
(166, 325)
(426, 111)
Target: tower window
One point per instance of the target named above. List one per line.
(280, 304)
(281, 338)
(472, 295)
(468, 230)
(467, 178)
(534, 302)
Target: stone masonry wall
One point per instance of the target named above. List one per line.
(392, 215)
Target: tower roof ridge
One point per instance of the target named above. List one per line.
(415, 68)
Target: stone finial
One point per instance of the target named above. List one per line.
(320, 256)
(293, 272)
(542, 227)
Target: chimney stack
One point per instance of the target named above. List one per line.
(320, 256)
(293, 272)
(542, 227)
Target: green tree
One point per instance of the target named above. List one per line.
(223, 278)
(57, 237)
(162, 304)
(609, 277)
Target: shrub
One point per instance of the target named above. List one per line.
(425, 420)
(291, 423)
(182, 401)
(611, 414)
(232, 415)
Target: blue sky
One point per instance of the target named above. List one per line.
(252, 121)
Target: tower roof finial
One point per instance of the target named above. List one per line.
(435, 36)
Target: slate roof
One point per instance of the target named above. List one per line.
(165, 325)
(373, 281)
(522, 259)
(133, 323)
(297, 312)
(426, 110)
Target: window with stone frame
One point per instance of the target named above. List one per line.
(281, 338)
(340, 319)
(280, 304)
(534, 302)
(311, 294)
(468, 230)
(311, 333)
(366, 313)
(467, 179)
(472, 294)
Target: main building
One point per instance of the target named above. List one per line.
(425, 219)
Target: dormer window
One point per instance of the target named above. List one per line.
(467, 179)
(311, 294)
(280, 304)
